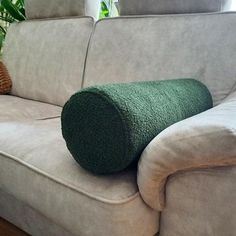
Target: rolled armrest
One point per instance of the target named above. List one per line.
(206, 140)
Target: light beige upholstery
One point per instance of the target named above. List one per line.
(37, 169)
(27, 218)
(141, 7)
(36, 9)
(204, 141)
(200, 46)
(46, 58)
(38, 176)
(200, 203)
(15, 108)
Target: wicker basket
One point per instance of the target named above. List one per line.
(5, 80)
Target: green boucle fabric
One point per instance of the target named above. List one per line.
(107, 127)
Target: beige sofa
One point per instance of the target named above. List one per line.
(185, 181)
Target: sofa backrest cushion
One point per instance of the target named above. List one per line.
(36, 9)
(141, 7)
(45, 59)
(200, 46)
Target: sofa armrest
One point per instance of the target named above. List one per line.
(206, 140)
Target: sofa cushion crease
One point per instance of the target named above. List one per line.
(61, 18)
(16, 109)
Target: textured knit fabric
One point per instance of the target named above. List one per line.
(107, 127)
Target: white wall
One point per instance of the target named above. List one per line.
(233, 6)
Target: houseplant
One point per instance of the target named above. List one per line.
(10, 11)
(108, 8)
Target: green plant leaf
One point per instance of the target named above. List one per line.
(2, 9)
(110, 9)
(2, 30)
(104, 10)
(19, 3)
(7, 19)
(12, 10)
(2, 37)
(22, 10)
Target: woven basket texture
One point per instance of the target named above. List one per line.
(5, 80)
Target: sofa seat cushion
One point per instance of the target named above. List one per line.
(15, 108)
(37, 169)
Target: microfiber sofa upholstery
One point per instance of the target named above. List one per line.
(61, 8)
(140, 7)
(185, 181)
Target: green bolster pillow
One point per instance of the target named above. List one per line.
(106, 128)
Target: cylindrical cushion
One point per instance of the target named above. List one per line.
(39, 9)
(141, 7)
(107, 127)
